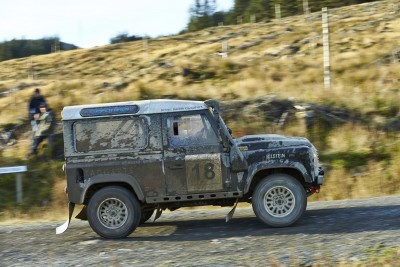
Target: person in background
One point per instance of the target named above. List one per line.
(46, 121)
(34, 108)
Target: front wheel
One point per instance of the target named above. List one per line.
(113, 212)
(279, 200)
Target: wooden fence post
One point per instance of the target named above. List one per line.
(18, 180)
(325, 40)
(278, 11)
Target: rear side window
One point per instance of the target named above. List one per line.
(117, 134)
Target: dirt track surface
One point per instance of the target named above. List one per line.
(329, 232)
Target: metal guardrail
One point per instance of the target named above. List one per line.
(18, 170)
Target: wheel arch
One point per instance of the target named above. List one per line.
(261, 174)
(100, 181)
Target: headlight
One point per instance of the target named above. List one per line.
(315, 161)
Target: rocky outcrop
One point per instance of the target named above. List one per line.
(278, 111)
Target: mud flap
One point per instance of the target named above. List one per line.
(62, 228)
(82, 215)
(158, 214)
(230, 214)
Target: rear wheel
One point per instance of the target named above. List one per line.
(113, 212)
(279, 200)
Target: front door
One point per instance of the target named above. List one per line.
(193, 157)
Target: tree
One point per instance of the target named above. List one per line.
(124, 37)
(261, 9)
(240, 7)
(202, 15)
(25, 48)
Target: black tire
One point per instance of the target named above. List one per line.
(146, 215)
(113, 212)
(279, 200)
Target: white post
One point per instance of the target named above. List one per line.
(56, 46)
(306, 8)
(395, 8)
(278, 11)
(253, 18)
(18, 186)
(396, 55)
(225, 49)
(371, 10)
(325, 40)
(18, 179)
(30, 70)
(145, 46)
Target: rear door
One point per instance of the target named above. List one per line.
(193, 157)
(118, 149)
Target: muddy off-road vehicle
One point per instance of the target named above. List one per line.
(126, 161)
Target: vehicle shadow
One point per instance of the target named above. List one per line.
(314, 222)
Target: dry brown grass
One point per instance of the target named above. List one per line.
(368, 175)
(359, 38)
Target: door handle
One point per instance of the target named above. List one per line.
(175, 167)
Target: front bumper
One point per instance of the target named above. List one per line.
(320, 177)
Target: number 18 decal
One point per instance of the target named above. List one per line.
(203, 172)
(207, 171)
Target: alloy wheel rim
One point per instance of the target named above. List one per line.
(112, 213)
(279, 201)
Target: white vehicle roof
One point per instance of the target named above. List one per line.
(130, 107)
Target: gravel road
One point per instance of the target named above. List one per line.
(330, 232)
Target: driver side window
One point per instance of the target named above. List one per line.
(190, 130)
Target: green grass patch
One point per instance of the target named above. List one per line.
(351, 159)
(37, 185)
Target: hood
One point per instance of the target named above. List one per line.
(270, 141)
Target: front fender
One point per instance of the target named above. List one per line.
(275, 164)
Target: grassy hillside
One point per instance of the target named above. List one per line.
(281, 58)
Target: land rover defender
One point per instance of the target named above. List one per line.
(126, 161)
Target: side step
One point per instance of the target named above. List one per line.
(191, 197)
